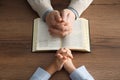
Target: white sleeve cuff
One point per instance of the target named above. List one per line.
(81, 74)
(40, 74)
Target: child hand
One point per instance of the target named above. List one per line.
(65, 52)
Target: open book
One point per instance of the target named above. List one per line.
(78, 40)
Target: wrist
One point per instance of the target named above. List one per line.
(69, 66)
(74, 12)
(70, 69)
(51, 69)
(71, 13)
(45, 15)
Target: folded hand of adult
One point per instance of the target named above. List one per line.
(57, 26)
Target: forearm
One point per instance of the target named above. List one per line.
(80, 6)
(40, 74)
(51, 69)
(44, 74)
(81, 73)
(69, 66)
(40, 6)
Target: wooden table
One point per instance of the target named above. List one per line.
(17, 62)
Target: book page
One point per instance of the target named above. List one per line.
(44, 40)
(77, 40)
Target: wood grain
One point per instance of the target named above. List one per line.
(17, 62)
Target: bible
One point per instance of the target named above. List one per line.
(78, 39)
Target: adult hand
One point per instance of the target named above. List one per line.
(68, 17)
(57, 27)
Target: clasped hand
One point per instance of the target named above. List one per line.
(60, 23)
(63, 58)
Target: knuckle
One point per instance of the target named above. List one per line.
(63, 34)
(56, 11)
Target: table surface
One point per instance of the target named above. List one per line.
(17, 62)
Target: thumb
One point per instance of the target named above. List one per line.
(64, 15)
